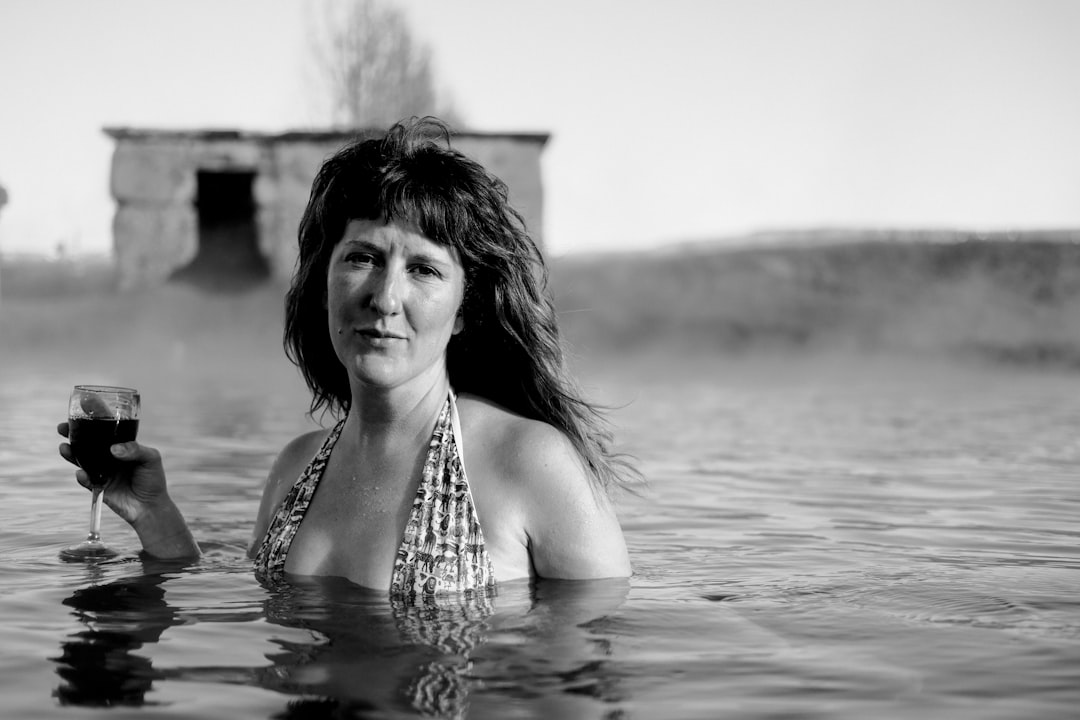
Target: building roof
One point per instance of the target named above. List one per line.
(340, 134)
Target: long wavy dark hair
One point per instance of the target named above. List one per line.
(509, 350)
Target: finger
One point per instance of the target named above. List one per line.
(68, 454)
(134, 452)
(62, 428)
(126, 451)
(94, 406)
(83, 479)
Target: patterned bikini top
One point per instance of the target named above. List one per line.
(442, 549)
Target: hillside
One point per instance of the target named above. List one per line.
(1012, 298)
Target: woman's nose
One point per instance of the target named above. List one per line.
(386, 293)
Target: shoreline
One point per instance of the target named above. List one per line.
(1013, 300)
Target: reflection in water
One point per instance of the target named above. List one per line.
(365, 655)
(100, 665)
(372, 653)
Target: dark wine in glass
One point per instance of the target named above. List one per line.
(99, 416)
(91, 439)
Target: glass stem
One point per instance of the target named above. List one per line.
(95, 514)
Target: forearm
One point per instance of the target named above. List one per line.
(165, 535)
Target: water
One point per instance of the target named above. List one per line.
(832, 537)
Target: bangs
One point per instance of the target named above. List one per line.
(437, 219)
(412, 177)
(430, 191)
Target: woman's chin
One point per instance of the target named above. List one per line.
(384, 374)
(378, 378)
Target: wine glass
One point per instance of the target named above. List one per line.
(99, 416)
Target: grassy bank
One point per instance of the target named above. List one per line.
(1014, 299)
(29, 277)
(1007, 298)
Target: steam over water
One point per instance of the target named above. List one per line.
(858, 505)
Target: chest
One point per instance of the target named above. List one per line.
(354, 524)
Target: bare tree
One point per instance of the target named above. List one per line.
(371, 68)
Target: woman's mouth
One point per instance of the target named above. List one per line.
(379, 337)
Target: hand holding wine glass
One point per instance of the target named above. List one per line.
(128, 475)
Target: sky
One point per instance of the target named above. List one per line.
(671, 122)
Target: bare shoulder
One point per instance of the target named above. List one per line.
(528, 455)
(570, 524)
(507, 431)
(287, 467)
(294, 457)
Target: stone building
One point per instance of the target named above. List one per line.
(221, 208)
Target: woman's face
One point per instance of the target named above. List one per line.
(392, 303)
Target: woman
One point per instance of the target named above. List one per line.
(418, 315)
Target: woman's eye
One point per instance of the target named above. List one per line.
(360, 258)
(425, 271)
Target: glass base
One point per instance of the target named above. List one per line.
(88, 550)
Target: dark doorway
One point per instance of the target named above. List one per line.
(228, 258)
